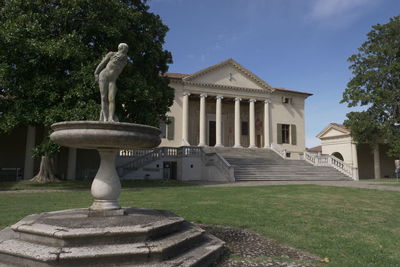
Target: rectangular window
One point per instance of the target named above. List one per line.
(245, 128)
(168, 128)
(163, 128)
(285, 133)
(287, 100)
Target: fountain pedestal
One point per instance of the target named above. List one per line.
(106, 186)
(107, 138)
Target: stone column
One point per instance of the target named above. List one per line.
(377, 163)
(30, 143)
(355, 160)
(218, 121)
(185, 119)
(267, 141)
(252, 124)
(202, 128)
(71, 168)
(237, 123)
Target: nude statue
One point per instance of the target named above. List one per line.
(106, 74)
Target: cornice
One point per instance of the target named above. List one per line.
(236, 88)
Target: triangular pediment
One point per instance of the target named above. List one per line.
(333, 130)
(228, 73)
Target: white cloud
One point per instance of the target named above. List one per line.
(340, 10)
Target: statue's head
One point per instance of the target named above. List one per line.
(122, 47)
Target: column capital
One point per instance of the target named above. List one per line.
(238, 99)
(252, 100)
(267, 101)
(186, 94)
(203, 95)
(219, 97)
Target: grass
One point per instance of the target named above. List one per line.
(350, 226)
(76, 184)
(387, 184)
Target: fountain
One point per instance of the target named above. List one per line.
(107, 234)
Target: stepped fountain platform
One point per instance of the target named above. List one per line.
(135, 237)
(106, 234)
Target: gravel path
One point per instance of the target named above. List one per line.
(247, 248)
(354, 184)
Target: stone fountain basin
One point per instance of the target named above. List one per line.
(105, 135)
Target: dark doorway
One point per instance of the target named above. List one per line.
(169, 170)
(211, 133)
(338, 155)
(258, 140)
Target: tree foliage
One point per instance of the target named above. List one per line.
(376, 86)
(49, 50)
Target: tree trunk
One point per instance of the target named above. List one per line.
(46, 172)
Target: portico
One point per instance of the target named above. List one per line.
(223, 102)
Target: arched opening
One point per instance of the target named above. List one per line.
(338, 155)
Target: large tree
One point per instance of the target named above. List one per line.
(49, 50)
(376, 86)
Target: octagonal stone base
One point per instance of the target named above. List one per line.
(136, 237)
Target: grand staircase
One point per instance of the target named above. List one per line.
(266, 165)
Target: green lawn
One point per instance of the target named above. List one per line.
(350, 226)
(66, 185)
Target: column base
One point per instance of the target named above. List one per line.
(185, 143)
(253, 146)
(237, 146)
(99, 205)
(219, 145)
(202, 145)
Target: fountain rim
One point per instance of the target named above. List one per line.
(101, 125)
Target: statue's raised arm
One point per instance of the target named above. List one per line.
(106, 74)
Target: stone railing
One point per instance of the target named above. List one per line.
(189, 151)
(279, 150)
(135, 153)
(331, 161)
(151, 156)
(175, 152)
(221, 163)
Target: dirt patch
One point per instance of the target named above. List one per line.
(247, 248)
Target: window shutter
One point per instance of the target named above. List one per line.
(171, 128)
(294, 134)
(279, 134)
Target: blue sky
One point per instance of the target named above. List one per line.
(297, 44)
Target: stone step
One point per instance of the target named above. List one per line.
(103, 255)
(265, 164)
(280, 167)
(286, 173)
(189, 243)
(206, 254)
(63, 236)
(291, 179)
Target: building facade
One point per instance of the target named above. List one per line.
(336, 140)
(227, 105)
(224, 105)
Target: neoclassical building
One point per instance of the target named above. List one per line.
(224, 105)
(336, 140)
(227, 105)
